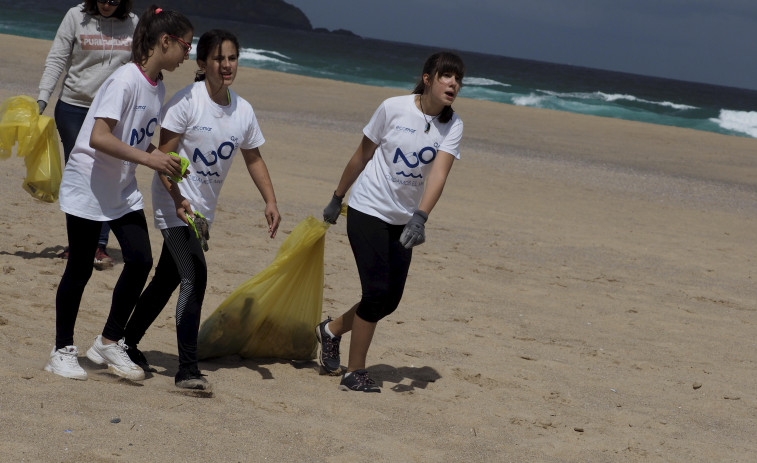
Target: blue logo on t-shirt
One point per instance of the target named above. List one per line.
(138, 135)
(424, 156)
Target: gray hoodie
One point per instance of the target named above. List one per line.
(88, 48)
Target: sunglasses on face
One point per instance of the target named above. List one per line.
(187, 47)
(110, 2)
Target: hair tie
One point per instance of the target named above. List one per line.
(158, 10)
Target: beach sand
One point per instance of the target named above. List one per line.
(586, 293)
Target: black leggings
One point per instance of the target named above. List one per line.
(382, 263)
(181, 262)
(131, 232)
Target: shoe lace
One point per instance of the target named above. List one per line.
(362, 378)
(122, 348)
(69, 357)
(330, 347)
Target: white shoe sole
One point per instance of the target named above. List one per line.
(79, 376)
(132, 374)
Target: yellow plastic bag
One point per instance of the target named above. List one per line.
(274, 313)
(20, 122)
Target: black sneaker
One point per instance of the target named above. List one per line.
(191, 378)
(329, 357)
(358, 380)
(139, 358)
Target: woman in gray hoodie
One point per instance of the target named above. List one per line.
(93, 40)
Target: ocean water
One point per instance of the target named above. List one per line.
(724, 110)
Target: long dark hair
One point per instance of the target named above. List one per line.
(437, 64)
(153, 23)
(122, 11)
(209, 42)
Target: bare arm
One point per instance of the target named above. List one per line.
(355, 166)
(260, 176)
(169, 142)
(435, 181)
(103, 140)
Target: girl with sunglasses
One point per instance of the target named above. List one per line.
(93, 40)
(207, 124)
(99, 185)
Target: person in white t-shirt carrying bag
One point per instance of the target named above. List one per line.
(399, 170)
(99, 185)
(92, 41)
(207, 124)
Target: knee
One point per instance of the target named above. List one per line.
(373, 309)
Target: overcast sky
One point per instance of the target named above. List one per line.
(710, 41)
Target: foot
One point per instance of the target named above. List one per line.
(191, 378)
(115, 356)
(139, 358)
(65, 362)
(358, 380)
(102, 259)
(329, 347)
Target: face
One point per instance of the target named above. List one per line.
(444, 88)
(177, 50)
(105, 9)
(221, 66)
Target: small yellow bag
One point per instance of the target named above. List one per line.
(20, 122)
(274, 313)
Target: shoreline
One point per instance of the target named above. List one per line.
(586, 293)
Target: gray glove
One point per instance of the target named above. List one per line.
(414, 232)
(42, 105)
(332, 211)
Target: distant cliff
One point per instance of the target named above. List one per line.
(277, 13)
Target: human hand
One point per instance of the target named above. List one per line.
(414, 232)
(42, 105)
(183, 208)
(334, 208)
(273, 218)
(165, 164)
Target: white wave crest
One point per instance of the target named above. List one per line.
(529, 100)
(738, 121)
(612, 97)
(253, 54)
(482, 82)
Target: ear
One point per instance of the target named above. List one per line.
(202, 65)
(427, 80)
(164, 41)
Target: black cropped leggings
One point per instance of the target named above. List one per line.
(382, 263)
(131, 233)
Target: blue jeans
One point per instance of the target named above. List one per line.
(69, 119)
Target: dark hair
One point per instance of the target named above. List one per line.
(444, 62)
(153, 23)
(210, 42)
(122, 11)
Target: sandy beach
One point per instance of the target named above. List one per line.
(586, 294)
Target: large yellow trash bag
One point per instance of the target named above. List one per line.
(20, 122)
(274, 313)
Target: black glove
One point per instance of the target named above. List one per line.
(42, 105)
(332, 211)
(415, 230)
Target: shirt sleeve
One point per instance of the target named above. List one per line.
(451, 143)
(173, 115)
(376, 126)
(59, 55)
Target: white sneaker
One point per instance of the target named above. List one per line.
(116, 357)
(65, 362)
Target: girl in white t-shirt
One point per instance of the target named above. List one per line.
(400, 167)
(207, 124)
(99, 185)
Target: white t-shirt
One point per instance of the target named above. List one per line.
(391, 185)
(95, 185)
(211, 135)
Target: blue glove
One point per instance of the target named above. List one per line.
(415, 230)
(332, 211)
